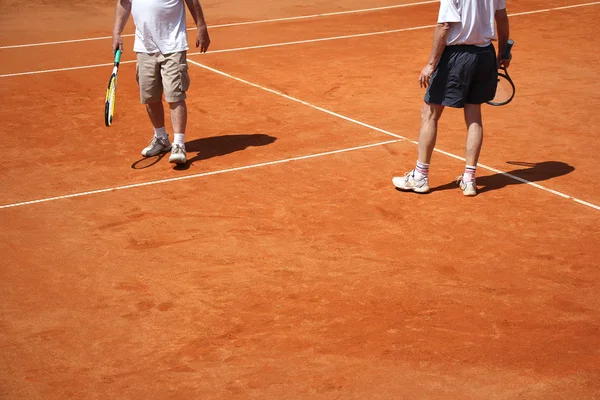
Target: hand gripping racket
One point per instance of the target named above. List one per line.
(506, 88)
(109, 104)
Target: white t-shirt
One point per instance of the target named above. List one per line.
(159, 26)
(474, 20)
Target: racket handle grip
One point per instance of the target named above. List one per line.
(507, 49)
(118, 56)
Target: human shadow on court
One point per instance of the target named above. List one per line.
(216, 146)
(534, 172)
(147, 162)
(206, 148)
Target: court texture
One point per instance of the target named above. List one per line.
(280, 262)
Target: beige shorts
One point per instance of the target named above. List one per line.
(158, 73)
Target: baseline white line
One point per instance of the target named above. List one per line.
(555, 192)
(203, 174)
(356, 35)
(64, 69)
(262, 46)
(556, 8)
(576, 5)
(263, 21)
(294, 42)
(329, 14)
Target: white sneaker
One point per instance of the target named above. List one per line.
(468, 188)
(157, 145)
(178, 154)
(408, 182)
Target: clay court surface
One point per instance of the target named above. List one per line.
(281, 263)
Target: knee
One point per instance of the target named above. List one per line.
(429, 113)
(177, 104)
(473, 114)
(154, 105)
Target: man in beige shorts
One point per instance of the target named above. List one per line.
(161, 47)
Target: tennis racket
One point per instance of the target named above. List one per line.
(109, 104)
(506, 88)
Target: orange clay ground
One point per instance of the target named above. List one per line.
(285, 265)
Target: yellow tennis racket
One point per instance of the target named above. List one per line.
(109, 104)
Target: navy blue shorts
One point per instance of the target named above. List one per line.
(466, 74)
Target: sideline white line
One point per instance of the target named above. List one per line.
(299, 101)
(262, 21)
(180, 178)
(555, 192)
(291, 43)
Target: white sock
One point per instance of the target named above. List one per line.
(421, 170)
(179, 138)
(160, 132)
(469, 174)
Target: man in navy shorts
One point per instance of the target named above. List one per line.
(462, 72)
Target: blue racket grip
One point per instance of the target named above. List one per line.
(118, 56)
(507, 49)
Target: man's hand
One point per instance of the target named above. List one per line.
(504, 63)
(439, 44)
(202, 39)
(117, 43)
(426, 75)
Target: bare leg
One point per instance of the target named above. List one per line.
(473, 148)
(474, 133)
(430, 115)
(178, 116)
(160, 142)
(417, 180)
(156, 112)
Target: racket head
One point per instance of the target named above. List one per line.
(109, 104)
(505, 90)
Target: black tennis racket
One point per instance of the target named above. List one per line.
(506, 87)
(109, 104)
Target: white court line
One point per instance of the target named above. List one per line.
(287, 19)
(556, 8)
(399, 138)
(297, 158)
(263, 21)
(292, 43)
(356, 35)
(326, 111)
(555, 192)
(261, 46)
(180, 178)
(45, 71)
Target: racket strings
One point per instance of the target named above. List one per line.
(504, 91)
(110, 101)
